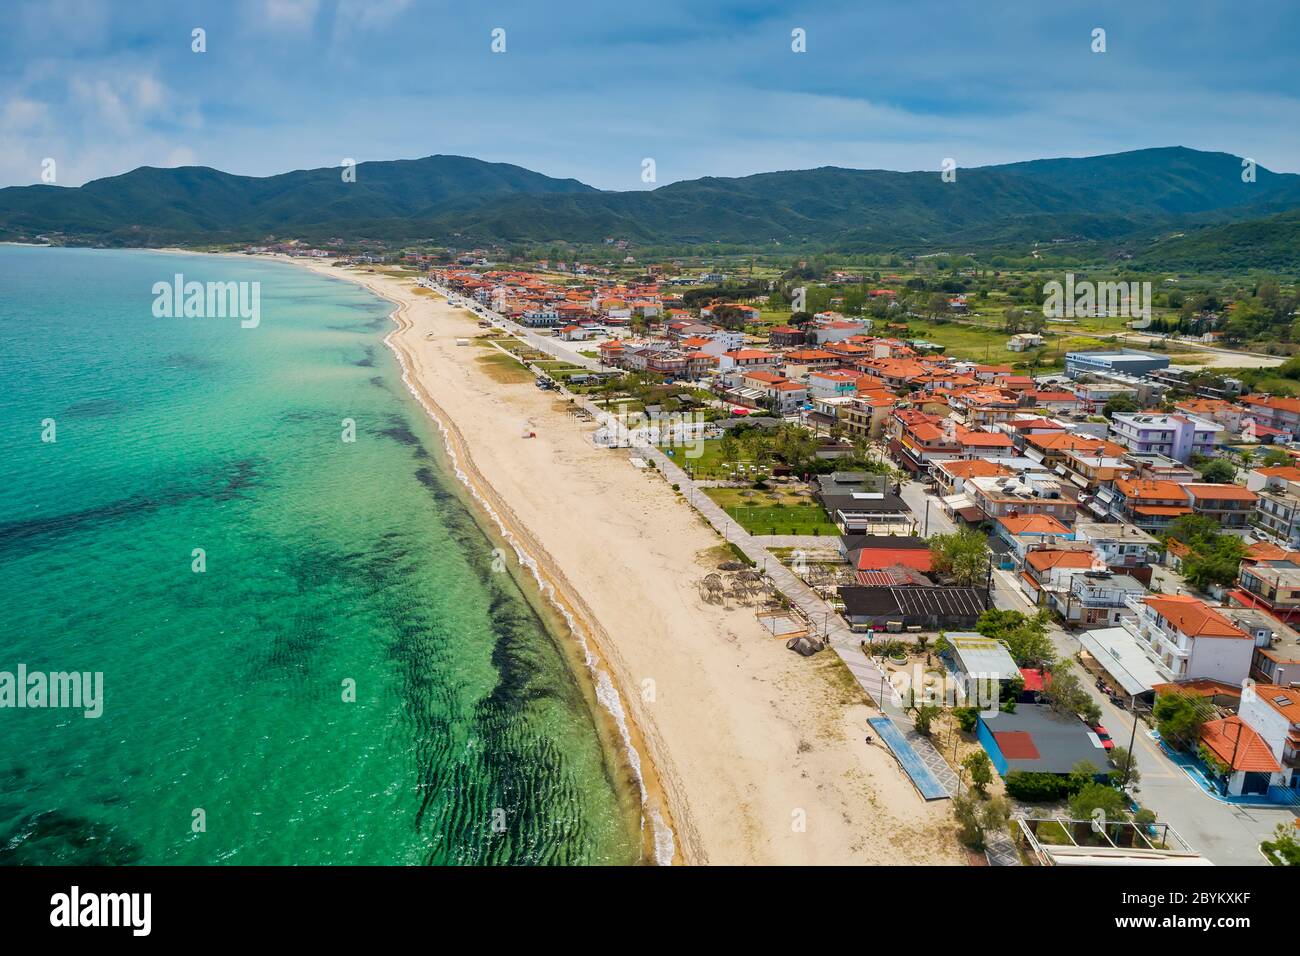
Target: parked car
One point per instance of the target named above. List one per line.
(1104, 736)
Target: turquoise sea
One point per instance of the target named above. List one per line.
(473, 738)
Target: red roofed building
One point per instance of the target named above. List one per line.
(1235, 745)
(1192, 638)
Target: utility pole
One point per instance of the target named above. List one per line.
(1128, 764)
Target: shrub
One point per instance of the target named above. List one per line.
(1033, 787)
(966, 718)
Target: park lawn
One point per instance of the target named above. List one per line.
(756, 518)
(708, 463)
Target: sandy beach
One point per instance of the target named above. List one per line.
(751, 754)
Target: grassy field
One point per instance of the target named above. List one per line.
(760, 514)
(504, 369)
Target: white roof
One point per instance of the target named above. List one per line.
(1125, 658)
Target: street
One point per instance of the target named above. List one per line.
(1224, 833)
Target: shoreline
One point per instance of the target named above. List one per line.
(735, 737)
(659, 836)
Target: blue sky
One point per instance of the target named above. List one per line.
(589, 89)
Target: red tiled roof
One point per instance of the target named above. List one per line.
(1238, 746)
(1193, 616)
(876, 559)
(1043, 560)
(1214, 492)
(1033, 524)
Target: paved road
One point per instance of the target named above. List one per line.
(543, 343)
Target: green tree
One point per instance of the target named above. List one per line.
(924, 717)
(1025, 635)
(977, 818)
(963, 555)
(1123, 762)
(1119, 403)
(1283, 849)
(1218, 471)
(1098, 796)
(1066, 694)
(980, 768)
(1179, 718)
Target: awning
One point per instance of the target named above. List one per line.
(1125, 658)
(957, 502)
(1162, 510)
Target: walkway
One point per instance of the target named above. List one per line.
(823, 619)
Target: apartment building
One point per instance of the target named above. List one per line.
(1192, 639)
(1279, 413)
(1230, 505)
(1176, 436)
(1023, 494)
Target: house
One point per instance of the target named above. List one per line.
(1279, 413)
(867, 552)
(1273, 713)
(1277, 509)
(1277, 646)
(1018, 534)
(916, 608)
(1047, 570)
(974, 656)
(1191, 638)
(832, 383)
(1176, 436)
(1122, 547)
(1271, 586)
(1239, 747)
(1227, 414)
(747, 359)
(1149, 505)
(850, 482)
(1024, 340)
(1050, 448)
(868, 512)
(950, 476)
(1153, 467)
(1230, 505)
(1037, 739)
(1024, 494)
(786, 336)
(1091, 471)
(1096, 598)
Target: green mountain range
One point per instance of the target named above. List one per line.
(1154, 202)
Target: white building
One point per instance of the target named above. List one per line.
(1192, 639)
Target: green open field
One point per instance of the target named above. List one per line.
(759, 514)
(504, 369)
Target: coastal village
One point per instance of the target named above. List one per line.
(1113, 547)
